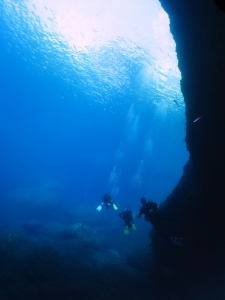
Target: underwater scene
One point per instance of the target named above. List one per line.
(92, 121)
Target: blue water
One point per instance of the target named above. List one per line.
(80, 118)
(87, 107)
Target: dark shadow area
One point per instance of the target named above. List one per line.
(197, 271)
(74, 268)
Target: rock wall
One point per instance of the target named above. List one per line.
(198, 201)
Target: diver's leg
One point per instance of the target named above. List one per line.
(126, 230)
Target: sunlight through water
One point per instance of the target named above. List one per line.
(105, 46)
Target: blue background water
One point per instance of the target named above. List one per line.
(80, 120)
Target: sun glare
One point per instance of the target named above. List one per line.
(88, 23)
(103, 37)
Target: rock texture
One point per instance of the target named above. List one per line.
(198, 28)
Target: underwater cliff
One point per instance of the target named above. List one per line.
(198, 199)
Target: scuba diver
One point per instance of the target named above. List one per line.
(150, 210)
(107, 200)
(127, 216)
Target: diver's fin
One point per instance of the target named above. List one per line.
(115, 207)
(134, 226)
(126, 230)
(99, 208)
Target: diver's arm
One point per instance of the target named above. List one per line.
(121, 215)
(140, 213)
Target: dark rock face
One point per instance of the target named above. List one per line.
(198, 201)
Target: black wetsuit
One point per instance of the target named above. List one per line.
(107, 200)
(127, 216)
(149, 209)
